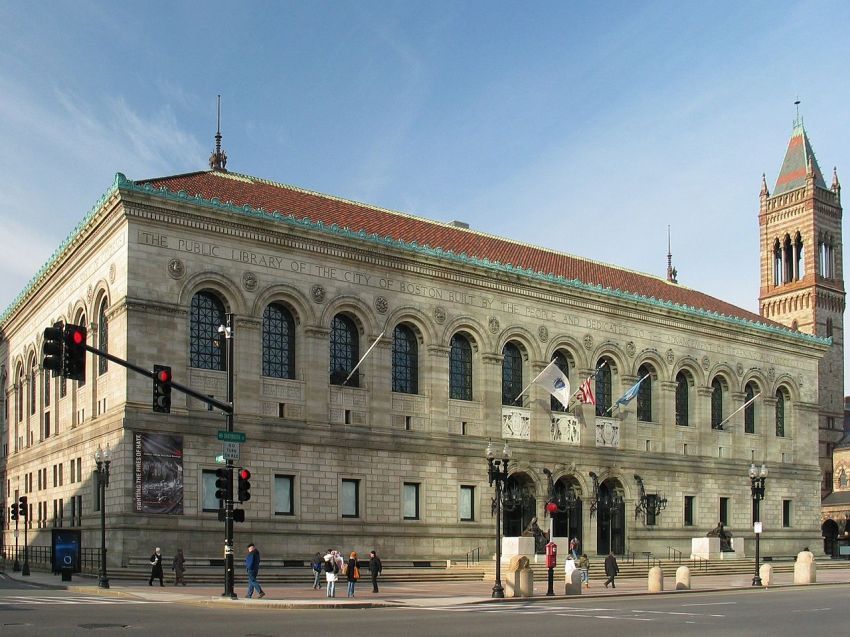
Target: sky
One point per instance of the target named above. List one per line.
(586, 127)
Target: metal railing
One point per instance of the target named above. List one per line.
(473, 556)
(674, 554)
(43, 556)
(701, 563)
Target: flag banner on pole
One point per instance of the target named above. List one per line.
(555, 382)
(585, 393)
(630, 394)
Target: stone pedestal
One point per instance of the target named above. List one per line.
(655, 580)
(805, 569)
(513, 546)
(708, 548)
(683, 578)
(526, 583)
(766, 574)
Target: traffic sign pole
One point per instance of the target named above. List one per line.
(227, 332)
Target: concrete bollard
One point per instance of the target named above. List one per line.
(572, 583)
(766, 574)
(655, 580)
(683, 578)
(526, 582)
(805, 570)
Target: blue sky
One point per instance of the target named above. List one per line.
(584, 127)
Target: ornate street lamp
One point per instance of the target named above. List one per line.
(757, 478)
(649, 506)
(563, 502)
(101, 459)
(497, 474)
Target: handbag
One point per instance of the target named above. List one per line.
(356, 573)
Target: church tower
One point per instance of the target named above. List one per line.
(802, 285)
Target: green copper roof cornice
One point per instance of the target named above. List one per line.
(122, 183)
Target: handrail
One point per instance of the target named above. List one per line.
(674, 554)
(702, 563)
(473, 556)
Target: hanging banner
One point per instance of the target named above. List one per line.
(158, 463)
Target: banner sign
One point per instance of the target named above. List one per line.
(158, 473)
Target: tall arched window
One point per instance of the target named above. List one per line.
(644, 397)
(46, 388)
(405, 360)
(344, 350)
(716, 403)
(750, 410)
(33, 395)
(780, 413)
(460, 368)
(19, 394)
(562, 363)
(787, 260)
(603, 388)
(511, 375)
(82, 321)
(206, 348)
(102, 338)
(278, 342)
(682, 396)
(777, 263)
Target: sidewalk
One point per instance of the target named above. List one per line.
(415, 594)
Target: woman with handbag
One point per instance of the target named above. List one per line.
(352, 573)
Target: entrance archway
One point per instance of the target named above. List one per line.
(519, 506)
(829, 530)
(567, 519)
(611, 519)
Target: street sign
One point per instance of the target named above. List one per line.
(231, 436)
(220, 459)
(230, 450)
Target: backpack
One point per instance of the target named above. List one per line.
(330, 565)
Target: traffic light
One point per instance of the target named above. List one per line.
(238, 515)
(13, 511)
(223, 484)
(54, 342)
(162, 389)
(74, 366)
(244, 485)
(22, 506)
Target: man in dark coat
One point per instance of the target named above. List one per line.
(374, 568)
(252, 565)
(611, 569)
(156, 567)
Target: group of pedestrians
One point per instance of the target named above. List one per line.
(332, 565)
(178, 565)
(612, 569)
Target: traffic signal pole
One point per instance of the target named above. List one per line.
(227, 333)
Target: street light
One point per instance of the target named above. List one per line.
(563, 502)
(757, 478)
(498, 474)
(101, 459)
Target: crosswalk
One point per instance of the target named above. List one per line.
(71, 599)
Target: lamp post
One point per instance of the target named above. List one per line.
(757, 478)
(101, 458)
(497, 474)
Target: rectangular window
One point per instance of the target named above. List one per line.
(651, 499)
(80, 469)
(724, 511)
(467, 503)
(411, 501)
(47, 424)
(689, 510)
(60, 474)
(209, 502)
(786, 514)
(55, 476)
(351, 498)
(284, 495)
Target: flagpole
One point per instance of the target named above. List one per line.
(363, 358)
(532, 382)
(593, 375)
(617, 403)
(744, 406)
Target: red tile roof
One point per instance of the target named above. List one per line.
(258, 193)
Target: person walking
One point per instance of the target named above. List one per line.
(317, 563)
(178, 565)
(352, 572)
(252, 565)
(156, 567)
(611, 569)
(584, 567)
(331, 571)
(375, 567)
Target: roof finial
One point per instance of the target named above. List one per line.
(764, 191)
(836, 187)
(798, 121)
(671, 271)
(218, 160)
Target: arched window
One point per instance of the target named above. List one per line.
(842, 479)
(799, 257)
(460, 368)
(562, 363)
(603, 388)
(716, 403)
(780, 413)
(777, 263)
(278, 342)
(19, 394)
(344, 351)
(33, 395)
(206, 348)
(750, 410)
(46, 388)
(405, 360)
(787, 260)
(644, 397)
(511, 375)
(82, 321)
(102, 338)
(682, 396)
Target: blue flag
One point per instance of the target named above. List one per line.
(632, 391)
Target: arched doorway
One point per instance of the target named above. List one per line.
(567, 519)
(519, 506)
(829, 530)
(611, 519)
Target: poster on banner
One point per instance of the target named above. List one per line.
(158, 473)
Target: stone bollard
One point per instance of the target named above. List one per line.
(513, 575)
(805, 570)
(526, 582)
(766, 574)
(683, 578)
(572, 582)
(655, 580)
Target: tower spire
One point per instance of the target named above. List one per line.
(671, 271)
(218, 160)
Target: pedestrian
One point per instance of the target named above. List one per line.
(352, 572)
(178, 565)
(252, 565)
(331, 571)
(317, 563)
(375, 567)
(584, 567)
(611, 569)
(574, 547)
(156, 567)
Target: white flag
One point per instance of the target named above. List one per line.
(555, 382)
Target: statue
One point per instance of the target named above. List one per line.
(541, 537)
(725, 537)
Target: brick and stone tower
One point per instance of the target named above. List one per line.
(802, 285)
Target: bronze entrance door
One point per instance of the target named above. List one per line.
(610, 521)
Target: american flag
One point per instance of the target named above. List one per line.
(585, 393)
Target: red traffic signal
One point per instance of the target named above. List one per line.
(74, 358)
(162, 389)
(244, 486)
(244, 474)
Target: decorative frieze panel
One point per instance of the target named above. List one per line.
(409, 403)
(465, 410)
(283, 389)
(291, 411)
(207, 382)
(566, 429)
(607, 432)
(347, 397)
(516, 423)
